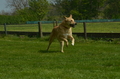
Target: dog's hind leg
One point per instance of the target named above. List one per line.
(50, 42)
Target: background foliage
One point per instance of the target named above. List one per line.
(34, 10)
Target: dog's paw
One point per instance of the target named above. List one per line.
(62, 51)
(72, 44)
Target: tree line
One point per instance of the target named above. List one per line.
(36, 10)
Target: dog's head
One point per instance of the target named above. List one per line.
(70, 21)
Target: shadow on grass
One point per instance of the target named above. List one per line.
(45, 51)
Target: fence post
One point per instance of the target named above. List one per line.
(40, 29)
(53, 23)
(5, 29)
(85, 33)
(56, 23)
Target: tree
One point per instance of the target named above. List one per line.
(39, 8)
(112, 10)
(29, 9)
(5, 13)
(81, 9)
(17, 4)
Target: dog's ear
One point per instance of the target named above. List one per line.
(70, 15)
(65, 17)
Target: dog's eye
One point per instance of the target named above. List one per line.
(71, 20)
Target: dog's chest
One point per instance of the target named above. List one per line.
(66, 34)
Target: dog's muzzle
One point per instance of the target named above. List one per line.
(73, 25)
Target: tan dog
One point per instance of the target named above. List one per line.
(63, 32)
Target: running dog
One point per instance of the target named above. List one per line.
(63, 32)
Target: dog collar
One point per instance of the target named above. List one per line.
(66, 27)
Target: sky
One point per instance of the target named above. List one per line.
(3, 6)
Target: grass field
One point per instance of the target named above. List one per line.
(26, 58)
(106, 27)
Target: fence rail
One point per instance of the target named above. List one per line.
(78, 21)
(91, 35)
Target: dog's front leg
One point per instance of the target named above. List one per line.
(62, 46)
(72, 39)
(65, 40)
(62, 40)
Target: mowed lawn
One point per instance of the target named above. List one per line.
(27, 58)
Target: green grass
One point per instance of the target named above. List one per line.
(105, 27)
(27, 58)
